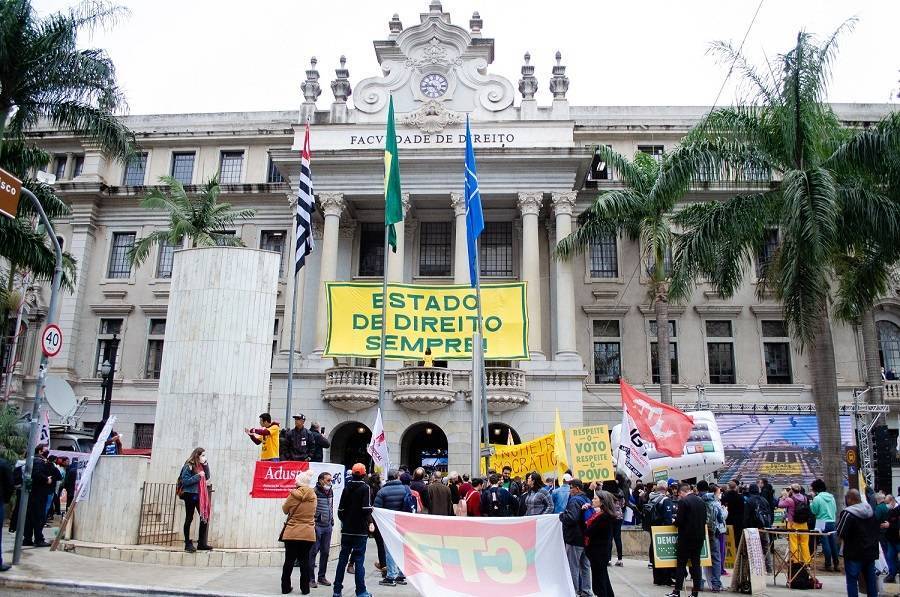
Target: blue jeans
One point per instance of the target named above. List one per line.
(355, 546)
(715, 571)
(393, 571)
(829, 546)
(890, 554)
(852, 570)
(320, 548)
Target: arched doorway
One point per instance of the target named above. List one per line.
(498, 433)
(425, 445)
(348, 444)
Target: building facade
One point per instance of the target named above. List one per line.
(591, 320)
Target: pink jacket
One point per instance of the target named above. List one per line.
(788, 503)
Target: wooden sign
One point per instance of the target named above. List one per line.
(10, 192)
(749, 575)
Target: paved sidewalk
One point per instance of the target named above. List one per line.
(61, 573)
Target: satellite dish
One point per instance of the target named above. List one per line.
(60, 396)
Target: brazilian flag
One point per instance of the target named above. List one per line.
(393, 204)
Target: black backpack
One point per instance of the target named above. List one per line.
(762, 513)
(802, 513)
(650, 515)
(497, 505)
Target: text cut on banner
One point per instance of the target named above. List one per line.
(441, 319)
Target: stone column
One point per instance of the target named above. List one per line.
(70, 166)
(332, 206)
(563, 204)
(396, 260)
(215, 381)
(461, 251)
(284, 339)
(95, 162)
(530, 207)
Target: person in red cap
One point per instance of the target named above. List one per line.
(353, 511)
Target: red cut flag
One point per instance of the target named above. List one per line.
(665, 426)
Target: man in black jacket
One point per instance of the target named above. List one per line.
(758, 515)
(319, 443)
(354, 511)
(298, 442)
(6, 491)
(690, 519)
(393, 496)
(36, 515)
(858, 531)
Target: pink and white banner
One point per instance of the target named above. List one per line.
(478, 557)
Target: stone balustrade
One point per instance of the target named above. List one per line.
(351, 388)
(424, 389)
(505, 389)
(892, 391)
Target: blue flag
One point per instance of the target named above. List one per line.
(474, 215)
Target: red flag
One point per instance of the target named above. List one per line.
(665, 426)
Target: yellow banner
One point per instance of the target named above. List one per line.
(780, 468)
(536, 455)
(590, 455)
(442, 318)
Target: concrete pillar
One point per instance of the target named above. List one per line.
(284, 339)
(95, 160)
(461, 251)
(396, 260)
(530, 207)
(93, 522)
(332, 206)
(70, 166)
(215, 382)
(563, 204)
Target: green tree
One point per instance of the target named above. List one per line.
(786, 127)
(641, 210)
(12, 439)
(201, 218)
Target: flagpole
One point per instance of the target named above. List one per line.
(480, 364)
(291, 342)
(384, 301)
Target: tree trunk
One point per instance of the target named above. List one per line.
(661, 307)
(4, 114)
(870, 353)
(824, 389)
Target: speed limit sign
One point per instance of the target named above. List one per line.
(51, 340)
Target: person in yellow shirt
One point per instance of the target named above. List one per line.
(428, 360)
(266, 436)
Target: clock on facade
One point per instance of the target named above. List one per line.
(433, 85)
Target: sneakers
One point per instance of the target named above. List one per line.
(675, 593)
(4, 567)
(619, 563)
(387, 582)
(313, 584)
(401, 580)
(204, 547)
(189, 547)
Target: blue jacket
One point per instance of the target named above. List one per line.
(572, 519)
(560, 497)
(190, 483)
(392, 496)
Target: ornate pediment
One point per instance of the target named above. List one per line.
(432, 117)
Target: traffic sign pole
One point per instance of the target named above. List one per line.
(39, 386)
(51, 340)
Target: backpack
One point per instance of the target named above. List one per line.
(764, 516)
(802, 513)
(497, 506)
(413, 501)
(711, 518)
(179, 489)
(650, 515)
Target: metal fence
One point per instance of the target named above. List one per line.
(157, 524)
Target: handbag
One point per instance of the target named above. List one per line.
(286, 521)
(461, 508)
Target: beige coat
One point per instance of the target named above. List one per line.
(301, 506)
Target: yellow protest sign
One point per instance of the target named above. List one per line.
(536, 455)
(665, 547)
(442, 318)
(730, 548)
(590, 454)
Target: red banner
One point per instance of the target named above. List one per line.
(276, 479)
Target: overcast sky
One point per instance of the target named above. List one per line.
(228, 55)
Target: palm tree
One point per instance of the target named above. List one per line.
(642, 212)
(787, 128)
(200, 218)
(44, 75)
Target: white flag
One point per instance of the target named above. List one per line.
(633, 458)
(378, 448)
(45, 428)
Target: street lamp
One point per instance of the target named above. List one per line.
(107, 369)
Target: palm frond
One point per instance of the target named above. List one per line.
(609, 214)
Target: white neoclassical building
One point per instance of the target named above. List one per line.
(590, 319)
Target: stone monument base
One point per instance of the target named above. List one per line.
(174, 555)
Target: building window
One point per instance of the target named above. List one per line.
(79, 166)
(223, 242)
(275, 341)
(434, 249)
(667, 263)
(655, 151)
(607, 351)
(766, 252)
(889, 348)
(495, 250)
(371, 249)
(273, 240)
(673, 351)
(165, 259)
(273, 174)
(183, 167)
(155, 336)
(135, 170)
(776, 352)
(108, 328)
(605, 258)
(59, 166)
(119, 264)
(231, 165)
(143, 436)
(720, 352)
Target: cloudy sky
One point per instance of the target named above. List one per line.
(229, 55)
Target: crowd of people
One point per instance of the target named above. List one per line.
(297, 443)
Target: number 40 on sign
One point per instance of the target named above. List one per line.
(51, 340)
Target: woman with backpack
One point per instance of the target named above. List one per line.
(193, 487)
(797, 515)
